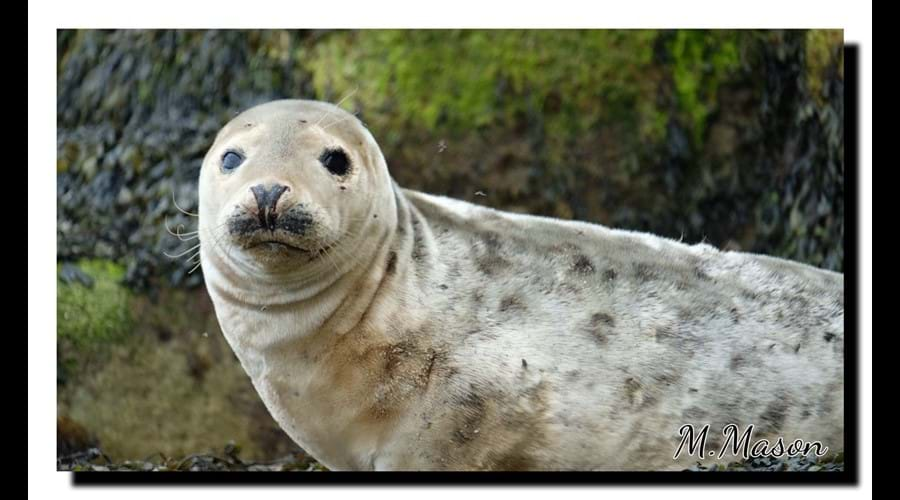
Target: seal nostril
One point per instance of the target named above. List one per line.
(266, 202)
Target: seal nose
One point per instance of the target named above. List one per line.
(266, 200)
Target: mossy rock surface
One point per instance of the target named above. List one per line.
(169, 385)
(92, 303)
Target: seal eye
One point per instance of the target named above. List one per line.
(231, 161)
(335, 161)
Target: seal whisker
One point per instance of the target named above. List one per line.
(218, 239)
(179, 234)
(337, 105)
(185, 212)
(330, 259)
(193, 259)
(194, 268)
(189, 250)
(340, 120)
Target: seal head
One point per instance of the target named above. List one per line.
(288, 190)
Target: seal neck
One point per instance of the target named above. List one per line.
(398, 260)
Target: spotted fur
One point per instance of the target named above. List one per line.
(447, 335)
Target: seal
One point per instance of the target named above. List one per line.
(387, 329)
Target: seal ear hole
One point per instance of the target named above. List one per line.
(336, 161)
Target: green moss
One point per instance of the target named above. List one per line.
(701, 62)
(93, 315)
(533, 102)
(824, 50)
(454, 81)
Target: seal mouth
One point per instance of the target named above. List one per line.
(276, 245)
(291, 230)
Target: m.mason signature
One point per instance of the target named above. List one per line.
(741, 445)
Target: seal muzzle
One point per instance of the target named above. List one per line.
(266, 201)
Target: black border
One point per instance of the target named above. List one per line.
(367, 478)
(850, 475)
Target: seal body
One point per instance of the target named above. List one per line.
(435, 334)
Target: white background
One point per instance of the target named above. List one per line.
(45, 17)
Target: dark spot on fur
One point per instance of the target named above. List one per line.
(391, 263)
(511, 302)
(600, 326)
(666, 378)
(700, 274)
(418, 251)
(573, 374)
(602, 319)
(610, 275)
(691, 389)
(488, 260)
(524, 363)
(583, 265)
(775, 413)
(664, 334)
(442, 286)
(394, 355)
(737, 361)
(829, 336)
(796, 348)
(735, 315)
(491, 240)
(643, 272)
(648, 400)
(682, 340)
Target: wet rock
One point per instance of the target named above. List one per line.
(772, 464)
